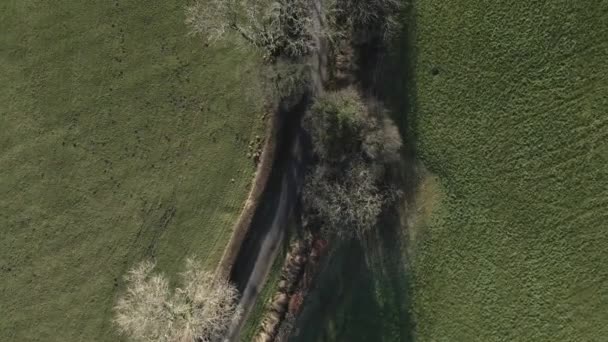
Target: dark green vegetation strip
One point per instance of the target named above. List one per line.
(360, 295)
(363, 291)
(254, 321)
(119, 138)
(511, 103)
(269, 289)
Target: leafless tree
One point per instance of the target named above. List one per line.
(288, 81)
(286, 328)
(276, 26)
(353, 141)
(289, 27)
(347, 206)
(200, 310)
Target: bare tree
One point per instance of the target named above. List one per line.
(200, 310)
(353, 140)
(347, 206)
(277, 26)
(289, 27)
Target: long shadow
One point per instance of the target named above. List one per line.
(387, 74)
(387, 253)
(364, 292)
(284, 184)
(344, 285)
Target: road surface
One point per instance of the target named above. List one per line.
(267, 229)
(268, 226)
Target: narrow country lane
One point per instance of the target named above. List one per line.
(267, 229)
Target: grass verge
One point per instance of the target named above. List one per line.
(271, 285)
(252, 325)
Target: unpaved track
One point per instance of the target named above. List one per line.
(270, 220)
(267, 229)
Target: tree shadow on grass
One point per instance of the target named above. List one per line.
(363, 292)
(386, 255)
(343, 298)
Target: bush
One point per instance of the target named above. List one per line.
(343, 128)
(335, 123)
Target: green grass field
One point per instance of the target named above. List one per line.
(511, 113)
(120, 139)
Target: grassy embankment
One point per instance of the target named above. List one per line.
(120, 138)
(252, 324)
(507, 107)
(511, 107)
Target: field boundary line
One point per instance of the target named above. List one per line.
(260, 180)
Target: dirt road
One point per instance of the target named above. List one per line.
(270, 220)
(284, 187)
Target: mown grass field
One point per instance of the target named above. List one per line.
(511, 114)
(120, 139)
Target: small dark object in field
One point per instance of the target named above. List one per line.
(435, 71)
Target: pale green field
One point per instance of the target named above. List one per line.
(119, 138)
